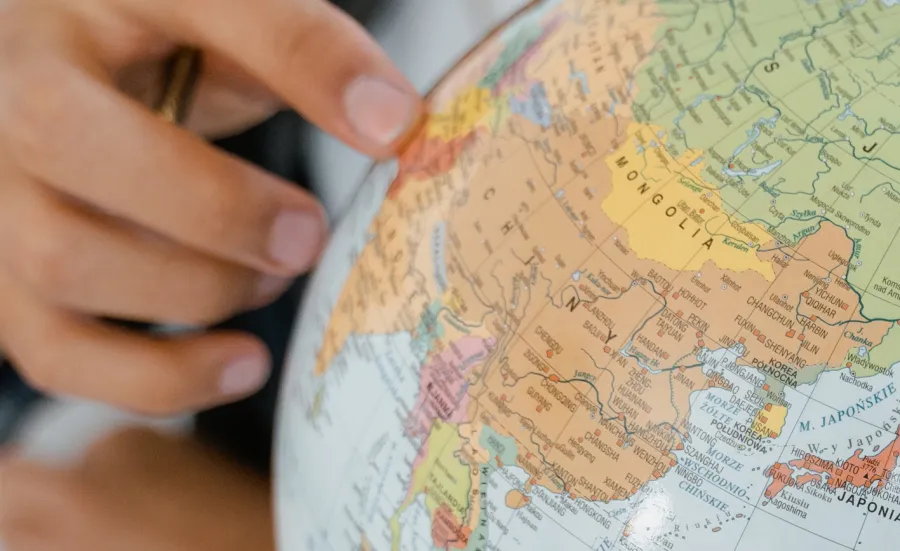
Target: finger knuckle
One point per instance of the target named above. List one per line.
(299, 43)
(168, 396)
(221, 298)
(159, 404)
(44, 255)
(212, 291)
(37, 116)
(36, 100)
(222, 192)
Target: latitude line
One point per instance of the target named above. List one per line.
(857, 541)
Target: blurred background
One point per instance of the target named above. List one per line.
(425, 38)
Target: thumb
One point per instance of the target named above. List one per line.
(311, 54)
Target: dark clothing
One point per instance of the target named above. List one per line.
(244, 430)
(16, 401)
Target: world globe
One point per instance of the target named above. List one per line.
(633, 285)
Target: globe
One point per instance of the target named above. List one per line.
(633, 285)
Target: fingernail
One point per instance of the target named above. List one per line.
(295, 239)
(378, 111)
(243, 376)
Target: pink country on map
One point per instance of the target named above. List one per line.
(633, 284)
(443, 388)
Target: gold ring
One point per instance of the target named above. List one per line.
(181, 73)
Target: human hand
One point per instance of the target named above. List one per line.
(139, 491)
(108, 211)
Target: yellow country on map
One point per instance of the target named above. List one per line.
(462, 115)
(671, 214)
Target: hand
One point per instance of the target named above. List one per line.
(108, 211)
(137, 491)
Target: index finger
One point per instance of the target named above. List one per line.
(317, 58)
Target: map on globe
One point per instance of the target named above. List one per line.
(634, 285)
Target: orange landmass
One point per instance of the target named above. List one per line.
(805, 479)
(714, 308)
(580, 442)
(428, 156)
(484, 186)
(597, 345)
(515, 499)
(381, 295)
(773, 329)
(446, 530)
(597, 437)
(782, 477)
(862, 472)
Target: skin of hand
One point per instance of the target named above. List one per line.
(140, 491)
(110, 212)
